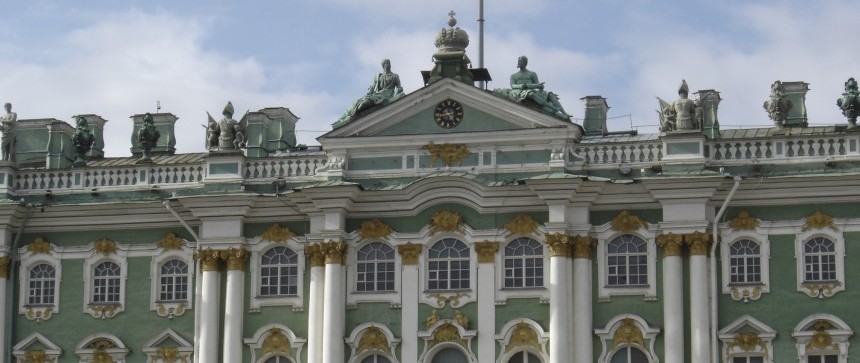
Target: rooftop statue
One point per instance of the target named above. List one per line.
(849, 103)
(777, 105)
(148, 137)
(526, 86)
(683, 114)
(83, 140)
(7, 128)
(226, 134)
(384, 90)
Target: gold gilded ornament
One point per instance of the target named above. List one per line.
(374, 229)
(670, 243)
(744, 222)
(628, 333)
(277, 233)
(523, 336)
(521, 224)
(486, 251)
(448, 154)
(819, 220)
(626, 222)
(276, 343)
(373, 339)
(445, 221)
(170, 242)
(558, 244)
(39, 245)
(105, 246)
(409, 253)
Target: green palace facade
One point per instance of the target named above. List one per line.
(448, 224)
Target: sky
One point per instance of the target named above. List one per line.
(315, 57)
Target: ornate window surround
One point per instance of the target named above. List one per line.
(640, 335)
(354, 296)
(28, 261)
(456, 298)
(536, 344)
(747, 337)
(21, 350)
(605, 234)
(258, 247)
(820, 289)
(155, 348)
(171, 308)
(263, 348)
(745, 292)
(119, 257)
(442, 329)
(87, 354)
(360, 352)
(833, 340)
(503, 293)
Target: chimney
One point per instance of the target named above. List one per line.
(269, 130)
(796, 93)
(97, 128)
(164, 123)
(60, 150)
(709, 100)
(595, 115)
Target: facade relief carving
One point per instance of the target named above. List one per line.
(558, 244)
(277, 233)
(849, 103)
(170, 242)
(626, 222)
(39, 245)
(374, 229)
(581, 246)
(446, 221)
(521, 224)
(777, 106)
(448, 154)
(335, 252)
(819, 220)
(670, 243)
(744, 222)
(486, 251)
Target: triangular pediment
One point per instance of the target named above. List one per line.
(414, 114)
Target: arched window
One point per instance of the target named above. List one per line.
(627, 261)
(279, 271)
(106, 283)
(745, 262)
(450, 355)
(279, 359)
(375, 268)
(448, 265)
(376, 358)
(42, 285)
(819, 260)
(524, 357)
(629, 355)
(523, 263)
(173, 281)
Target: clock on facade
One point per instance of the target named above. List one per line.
(448, 114)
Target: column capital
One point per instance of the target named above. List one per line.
(235, 258)
(315, 255)
(4, 267)
(209, 259)
(334, 251)
(670, 243)
(409, 253)
(582, 245)
(558, 244)
(486, 251)
(700, 243)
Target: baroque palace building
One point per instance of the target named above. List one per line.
(451, 224)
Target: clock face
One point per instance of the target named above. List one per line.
(448, 114)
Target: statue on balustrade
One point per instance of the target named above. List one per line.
(148, 137)
(226, 134)
(9, 134)
(384, 90)
(526, 88)
(777, 105)
(681, 115)
(849, 103)
(83, 140)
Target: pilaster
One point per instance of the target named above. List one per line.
(583, 324)
(409, 256)
(316, 260)
(486, 252)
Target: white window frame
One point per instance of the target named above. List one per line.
(763, 348)
(441, 298)
(840, 333)
(606, 234)
(503, 293)
(609, 347)
(28, 261)
(51, 350)
(183, 347)
(824, 288)
(355, 296)
(258, 247)
(471, 263)
(117, 353)
(170, 309)
(255, 343)
(355, 338)
(99, 310)
(746, 291)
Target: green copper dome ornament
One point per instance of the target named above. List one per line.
(849, 103)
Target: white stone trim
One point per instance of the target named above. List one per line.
(183, 347)
(506, 333)
(745, 292)
(731, 350)
(354, 296)
(116, 353)
(103, 311)
(355, 337)
(255, 343)
(605, 234)
(52, 351)
(606, 333)
(170, 309)
(258, 247)
(504, 293)
(839, 334)
(28, 261)
(823, 289)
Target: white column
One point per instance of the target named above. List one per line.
(559, 333)
(409, 304)
(700, 348)
(486, 300)
(673, 295)
(4, 278)
(210, 305)
(234, 304)
(315, 303)
(582, 349)
(334, 303)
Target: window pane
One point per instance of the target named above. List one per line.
(627, 261)
(279, 272)
(448, 265)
